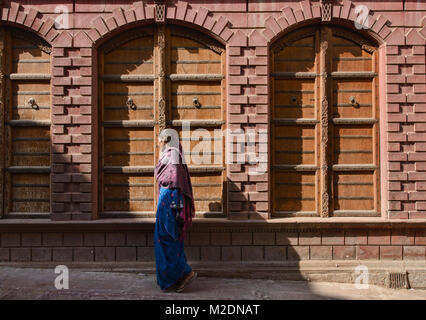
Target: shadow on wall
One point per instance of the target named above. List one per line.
(261, 257)
(239, 206)
(247, 251)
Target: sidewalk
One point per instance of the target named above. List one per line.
(30, 283)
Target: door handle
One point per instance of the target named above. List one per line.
(32, 103)
(196, 102)
(353, 102)
(131, 104)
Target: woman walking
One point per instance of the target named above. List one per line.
(175, 211)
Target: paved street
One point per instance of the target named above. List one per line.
(26, 283)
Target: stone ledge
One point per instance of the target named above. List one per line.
(212, 224)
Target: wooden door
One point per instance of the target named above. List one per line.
(295, 124)
(152, 78)
(354, 125)
(324, 124)
(128, 123)
(25, 128)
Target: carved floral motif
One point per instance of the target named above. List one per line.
(324, 126)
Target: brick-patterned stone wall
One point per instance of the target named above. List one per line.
(248, 111)
(406, 107)
(71, 131)
(218, 243)
(246, 28)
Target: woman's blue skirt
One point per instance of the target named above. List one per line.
(170, 258)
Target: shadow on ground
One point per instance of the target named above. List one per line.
(39, 284)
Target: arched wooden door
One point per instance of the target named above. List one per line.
(24, 124)
(152, 78)
(324, 124)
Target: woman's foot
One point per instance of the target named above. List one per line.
(171, 288)
(174, 286)
(186, 281)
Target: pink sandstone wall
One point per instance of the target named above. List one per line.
(246, 28)
(213, 242)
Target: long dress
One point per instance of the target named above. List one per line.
(170, 258)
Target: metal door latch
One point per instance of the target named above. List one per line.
(130, 103)
(353, 102)
(32, 103)
(196, 102)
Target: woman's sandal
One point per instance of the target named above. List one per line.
(173, 287)
(169, 289)
(186, 281)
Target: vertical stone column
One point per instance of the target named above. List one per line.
(248, 111)
(236, 81)
(72, 129)
(258, 81)
(406, 114)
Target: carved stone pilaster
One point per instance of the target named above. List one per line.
(324, 165)
(324, 159)
(161, 78)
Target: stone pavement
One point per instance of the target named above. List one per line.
(31, 283)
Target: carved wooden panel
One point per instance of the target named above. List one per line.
(161, 72)
(324, 118)
(26, 107)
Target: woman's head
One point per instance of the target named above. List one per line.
(168, 138)
(163, 139)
